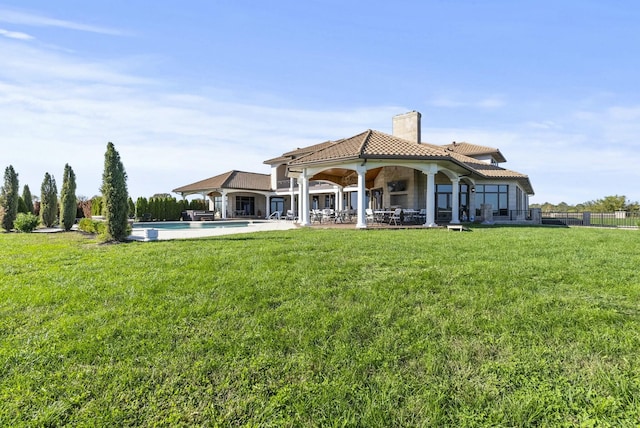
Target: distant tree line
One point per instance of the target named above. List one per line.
(606, 204)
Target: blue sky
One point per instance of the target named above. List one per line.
(188, 90)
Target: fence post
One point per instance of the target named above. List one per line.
(586, 218)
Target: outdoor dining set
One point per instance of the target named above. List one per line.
(328, 215)
(397, 216)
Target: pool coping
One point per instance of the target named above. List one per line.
(141, 234)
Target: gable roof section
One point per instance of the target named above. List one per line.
(472, 150)
(229, 180)
(293, 154)
(372, 144)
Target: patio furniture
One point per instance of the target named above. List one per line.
(422, 215)
(369, 215)
(316, 215)
(410, 216)
(291, 216)
(275, 215)
(343, 216)
(396, 216)
(328, 215)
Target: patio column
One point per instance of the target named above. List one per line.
(455, 201)
(303, 182)
(223, 197)
(362, 198)
(339, 199)
(431, 194)
(293, 195)
(267, 207)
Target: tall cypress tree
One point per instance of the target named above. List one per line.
(115, 196)
(28, 199)
(68, 202)
(48, 200)
(9, 197)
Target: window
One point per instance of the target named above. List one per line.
(245, 205)
(277, 204)
(495, 194)
(217, 204)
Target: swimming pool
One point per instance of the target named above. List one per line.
(180, 225)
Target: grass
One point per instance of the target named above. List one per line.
(496, 327)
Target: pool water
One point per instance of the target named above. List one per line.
(176, 225)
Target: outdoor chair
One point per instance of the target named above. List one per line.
(396, 217)
(291, 216)
(328, 215)
(422, 215)
(316, 215)
(275, 215)
(369, 215)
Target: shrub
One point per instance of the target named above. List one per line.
(26, 222)
(92, 226)
(97, 206)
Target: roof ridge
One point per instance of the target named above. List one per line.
(365, 140)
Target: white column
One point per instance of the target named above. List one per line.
(267, 208)
(340, 199)
(293, 195)
(431, 195)
(303, 182)
(455, 201)
(299, 200)
(223, 197)
(362, 198)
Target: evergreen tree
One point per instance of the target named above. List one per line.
(142, 208)
(114, 192)
(48, 200)
(28, 199)
(22, 207)
(132, 208)
(9, 198)
(68, 201)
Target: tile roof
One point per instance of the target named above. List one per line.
(229, 180)
(475, 150)
(293, 154)
(372, 144)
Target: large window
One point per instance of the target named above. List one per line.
(245, 205)
(217, 204)
(494, 194)
(277, 204)
(444, 201)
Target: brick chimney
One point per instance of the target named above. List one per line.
(407, 126)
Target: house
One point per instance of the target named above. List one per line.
(451, 183)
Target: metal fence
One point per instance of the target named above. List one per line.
(623, 219)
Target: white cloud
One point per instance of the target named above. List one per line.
(57, 109)
(31, 19)
(15, 35)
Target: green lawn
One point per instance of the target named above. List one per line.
(314, 327)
